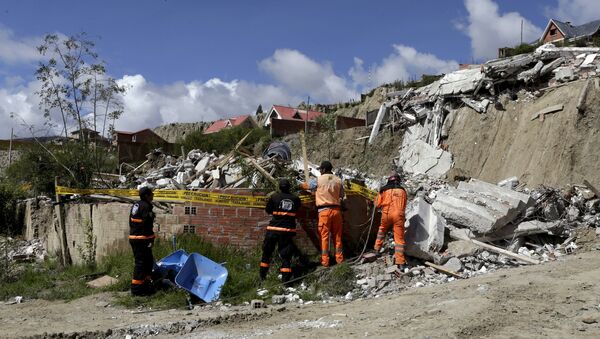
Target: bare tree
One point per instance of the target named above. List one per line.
(75, 84)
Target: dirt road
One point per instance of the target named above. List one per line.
(558, 299)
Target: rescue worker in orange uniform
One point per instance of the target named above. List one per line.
(328, 196)
(392, 202)
(141, 239)
(283, 206)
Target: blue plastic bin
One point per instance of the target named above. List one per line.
(202, 277)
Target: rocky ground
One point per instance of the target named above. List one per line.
(555, 299)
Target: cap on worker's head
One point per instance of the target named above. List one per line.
(394, 177)
(145, 191)
(284, 185)
(325, 166)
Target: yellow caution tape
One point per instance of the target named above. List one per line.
(206, 197)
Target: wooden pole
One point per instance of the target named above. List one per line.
(496, 249)
(10, 148)
(443, 270)
(61, 227)
(304, 157)
(263, 172)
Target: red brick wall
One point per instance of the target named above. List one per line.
(237, 226)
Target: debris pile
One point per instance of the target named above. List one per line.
(22, 250)
(207, 170)
(427, 113)
(476, 228)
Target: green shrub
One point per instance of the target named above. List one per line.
(225, 140)
(9, 196)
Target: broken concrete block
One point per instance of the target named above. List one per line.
(462, 248)
(278, 299)
(531, 74)
(163, 182)
(453, 264)
(103, 281)
(551, 66)
(479, 106)
(424, 230)
(510, 183)
(420, 157)
(369, 257)
(564, 74)
(482, 207)
(201, 165)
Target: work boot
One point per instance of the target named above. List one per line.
(402, 267)
(263, 273)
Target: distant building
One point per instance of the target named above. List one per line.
(558, 31)
(244, 120)
(133, 146)
(289, 113)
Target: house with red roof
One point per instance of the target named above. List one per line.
(243, 120)
(133, 146)
(289, 113)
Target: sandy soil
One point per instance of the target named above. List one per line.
(557, 299)
(563, 149)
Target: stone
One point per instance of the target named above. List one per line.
(424, 230)
(369, 257)
(510, 183)
(391, 269)
(278, 299)
(462, 248)
(564, 74)
(102, 304)
(453, 264)
(103, 281)
(428, 271)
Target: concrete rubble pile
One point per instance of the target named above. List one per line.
(15, 250)
(476, 228)
(426, 113)
(204, 170)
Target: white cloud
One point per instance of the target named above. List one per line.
(14, 50)
(489, 29)
(303, 75)
(404, 63)
(148, 105)
(577, 11)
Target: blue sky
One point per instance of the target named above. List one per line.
(201, 60)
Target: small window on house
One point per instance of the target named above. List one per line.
(189, 229)
(190, 210)
(133, 138)
(553, 31)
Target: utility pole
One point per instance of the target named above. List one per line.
(10, 148)
(306, 120)
(521, 31)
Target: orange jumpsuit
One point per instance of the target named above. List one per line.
(328, 196)
(392, 202)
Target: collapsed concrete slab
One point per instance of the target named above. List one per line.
(424, 230)
(420, 157)
(481, 207)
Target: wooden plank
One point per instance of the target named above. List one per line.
(443, 270)
(495, 249)
(304, 157)
(547, 110)
(263, 172)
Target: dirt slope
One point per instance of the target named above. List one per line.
(558, 300)
(562, 149)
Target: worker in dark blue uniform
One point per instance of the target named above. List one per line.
(141, 238)
(283, 206)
